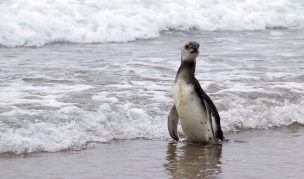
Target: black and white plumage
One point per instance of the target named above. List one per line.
(198, 115)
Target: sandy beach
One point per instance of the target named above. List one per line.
(273, 153)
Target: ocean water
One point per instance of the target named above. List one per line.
(83, 72)
(28, 23)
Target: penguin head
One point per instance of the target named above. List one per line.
(190, 51)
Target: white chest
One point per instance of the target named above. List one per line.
(193, 117)
(185, 99)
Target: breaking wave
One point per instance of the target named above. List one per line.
(36, 23)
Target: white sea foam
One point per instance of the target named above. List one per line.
(36, 23)
(63, 97)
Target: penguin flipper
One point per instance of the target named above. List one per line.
(213, 113)
(172, 123)
(208, 110)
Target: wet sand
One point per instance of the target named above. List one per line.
(273, 153)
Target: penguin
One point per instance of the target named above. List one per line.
(199, 118)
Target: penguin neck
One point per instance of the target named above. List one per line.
(187, 69)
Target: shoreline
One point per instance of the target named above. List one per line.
(257, 153)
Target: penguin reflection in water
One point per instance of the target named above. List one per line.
(198, 115)
(192, 160)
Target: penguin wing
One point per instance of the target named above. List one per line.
(172, 123)
(210, 108)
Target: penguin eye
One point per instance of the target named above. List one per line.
(186, 46)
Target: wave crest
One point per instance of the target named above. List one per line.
(28, 23)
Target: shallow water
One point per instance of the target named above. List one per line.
(273, 153)
(66, 96)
